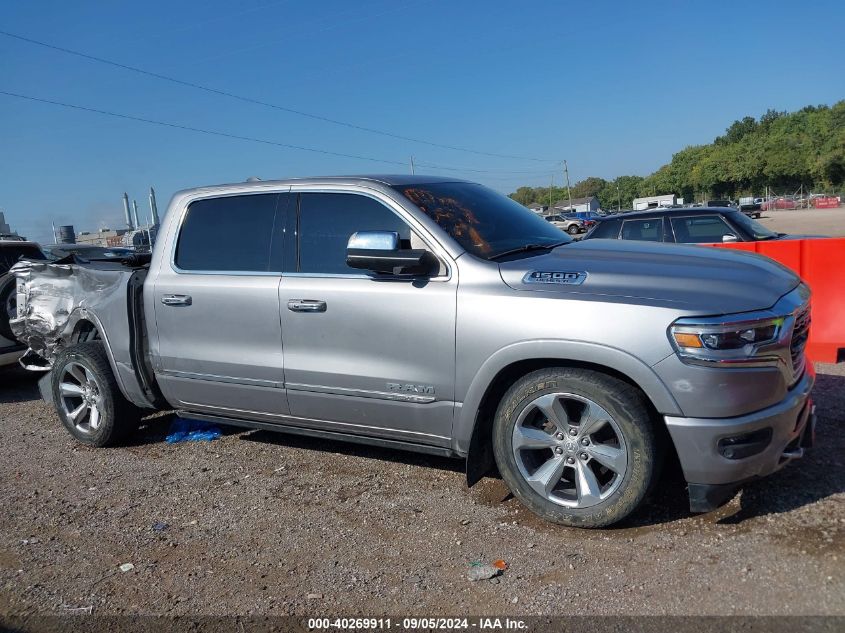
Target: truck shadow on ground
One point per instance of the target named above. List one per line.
(18, 385)
(355, 450)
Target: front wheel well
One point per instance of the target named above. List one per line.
(479, 460)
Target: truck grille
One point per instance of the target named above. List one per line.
(800, 333)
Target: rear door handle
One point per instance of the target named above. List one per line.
(306, 305)
(176, 300)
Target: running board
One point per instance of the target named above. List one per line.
(327, 435)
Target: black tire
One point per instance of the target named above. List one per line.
(117, 418)
(8, 292)
(573, 229)
(628, 409)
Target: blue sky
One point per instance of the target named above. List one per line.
(613, 87)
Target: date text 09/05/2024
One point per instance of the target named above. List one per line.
(415, 623)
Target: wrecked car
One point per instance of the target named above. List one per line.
(436, 316)
(12, 248)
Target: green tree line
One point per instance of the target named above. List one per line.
(781, 150)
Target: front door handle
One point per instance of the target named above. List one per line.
(176, 300)
(306, 305)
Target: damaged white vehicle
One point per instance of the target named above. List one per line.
(427, 314)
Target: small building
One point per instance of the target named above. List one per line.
(103, 237)
(538, 208)
(577, 205)
(655, 202)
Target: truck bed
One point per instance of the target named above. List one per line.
(73, 300)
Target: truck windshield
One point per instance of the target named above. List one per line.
(484, 222)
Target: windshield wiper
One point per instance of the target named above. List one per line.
(527, 248)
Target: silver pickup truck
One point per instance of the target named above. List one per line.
(437, 316)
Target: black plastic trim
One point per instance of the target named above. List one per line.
(708, 497)
(139, 350)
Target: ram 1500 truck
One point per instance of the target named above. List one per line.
(437, 316)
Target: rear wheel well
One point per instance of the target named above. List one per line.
(480, 455)
(85, 331)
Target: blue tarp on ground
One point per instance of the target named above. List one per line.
(182, 430)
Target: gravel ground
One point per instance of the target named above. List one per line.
(262, 523)
(830, 222)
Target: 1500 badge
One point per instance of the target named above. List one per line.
(554, 277)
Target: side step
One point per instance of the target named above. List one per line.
(328, 435)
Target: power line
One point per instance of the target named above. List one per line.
(486, 171)
(267, 104)
(189, 128)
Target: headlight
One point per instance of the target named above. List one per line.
(729, 342)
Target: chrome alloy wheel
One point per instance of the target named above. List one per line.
(569, 450)
(81, 397)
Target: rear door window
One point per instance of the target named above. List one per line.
(237, 234)
(701, 229)
(645, 230)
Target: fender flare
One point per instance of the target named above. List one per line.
(578, 351)
(80, 314)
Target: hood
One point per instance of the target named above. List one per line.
(701, 279)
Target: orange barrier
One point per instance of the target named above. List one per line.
(820, 263)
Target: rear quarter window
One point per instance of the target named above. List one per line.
(606, 229)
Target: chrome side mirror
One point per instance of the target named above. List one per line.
(374, 240)
(380, 252)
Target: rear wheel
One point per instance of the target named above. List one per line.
(576, 446)
(8, 307)
(573, 229)
(88, 399)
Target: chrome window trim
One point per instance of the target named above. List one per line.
(240, 190)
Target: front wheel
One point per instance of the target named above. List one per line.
(576, 446)
(88, 399)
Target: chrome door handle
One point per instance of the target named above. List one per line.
(176, 300)
(306, 305)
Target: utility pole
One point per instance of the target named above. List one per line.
(551, 186)
(412, 166)
(618, 198)
(568, 190)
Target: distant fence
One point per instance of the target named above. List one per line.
(821, 264)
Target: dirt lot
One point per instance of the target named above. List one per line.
(830, 222)
(263, 523)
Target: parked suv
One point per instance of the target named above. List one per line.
(696, 225)
(426, 314)
(568, 223)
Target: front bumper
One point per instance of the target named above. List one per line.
(700, 444)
